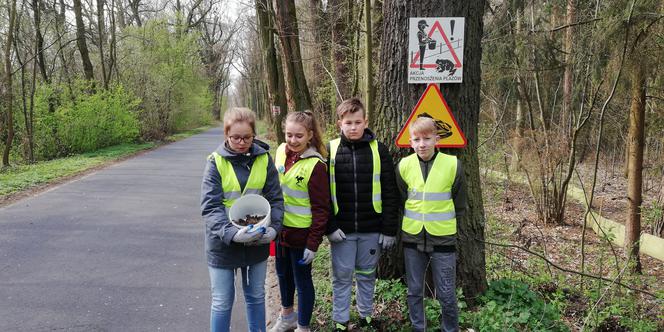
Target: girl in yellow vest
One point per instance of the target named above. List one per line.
(239, 166)
(303, 175)
(432, 206)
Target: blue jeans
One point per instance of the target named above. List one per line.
(443, 268)
(223, 294)
(293, 275)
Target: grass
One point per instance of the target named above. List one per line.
(15, 179)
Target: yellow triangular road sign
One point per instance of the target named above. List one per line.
(433, 105)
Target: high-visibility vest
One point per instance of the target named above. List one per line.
(295, 186)
(375, 186)
(230, 184)
(429, 205)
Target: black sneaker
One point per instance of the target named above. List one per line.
(338, 327)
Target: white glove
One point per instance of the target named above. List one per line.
(307, 257)
(336, 236)
(269, 235)
(386, 241)
(248, 234)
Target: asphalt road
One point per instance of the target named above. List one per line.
(121, 249)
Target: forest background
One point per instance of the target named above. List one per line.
(561, 104)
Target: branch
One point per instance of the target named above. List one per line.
(564, 269)
(570, 25)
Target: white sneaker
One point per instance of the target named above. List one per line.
(283, 325)
(302, 329)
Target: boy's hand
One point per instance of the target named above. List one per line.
(336, 236)
(386, 241)
(248, 234)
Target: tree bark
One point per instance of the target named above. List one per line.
(297, 90)
(101, 30)
(636, 137)
(369, 88)
(340, 15)
(568, 80)
(321, 58)
(39, 40)
(7, 93)
(80, 41)
(275, 81)
(397, 98)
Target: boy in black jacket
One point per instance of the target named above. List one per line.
(365, 200)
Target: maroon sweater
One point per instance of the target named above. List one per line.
(319, 196)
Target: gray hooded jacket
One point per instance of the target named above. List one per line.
(221, 251)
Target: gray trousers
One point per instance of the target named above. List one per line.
(443, 267)
(358, 255)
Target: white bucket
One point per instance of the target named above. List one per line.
(250, 204)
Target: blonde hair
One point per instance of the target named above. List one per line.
(423, 125)
(351, 105)
(308, 121)
(235, 115)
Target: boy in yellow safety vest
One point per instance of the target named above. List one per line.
(431, 208)
(365, 202)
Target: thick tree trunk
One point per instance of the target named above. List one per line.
(340, 12)
(635, 170)
(80, 41)
(297, 90)
(368, 80)
(7, 93)
(397, 98)
(275, 81)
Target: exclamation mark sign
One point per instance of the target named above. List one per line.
(451, 29)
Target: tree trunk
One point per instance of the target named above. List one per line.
(320, 80)
(101, 30)
(7, 96)
(297, 90)
(635, 177)
(568, 80)
(80, 41)
(275, 81)
(340, 11)
(368, 100)
(397, 98)
(39, 40)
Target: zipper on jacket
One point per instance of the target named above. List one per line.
(424, 194)
(352, 148)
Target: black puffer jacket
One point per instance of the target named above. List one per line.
(354, 174)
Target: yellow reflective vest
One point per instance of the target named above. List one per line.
(429, 204)
(295, 186)
(230, 184)
(375, 188)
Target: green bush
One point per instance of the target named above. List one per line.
(509, 305)
(80, 121)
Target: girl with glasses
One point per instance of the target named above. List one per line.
(240, 165)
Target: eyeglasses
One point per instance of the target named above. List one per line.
(238, 139)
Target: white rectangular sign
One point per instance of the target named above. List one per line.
(435, 50)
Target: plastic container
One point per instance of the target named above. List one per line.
(250, 204)
(432, 44)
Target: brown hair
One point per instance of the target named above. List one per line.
(350, 105)
(308, 121)
(235, 115)
(423, 125)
